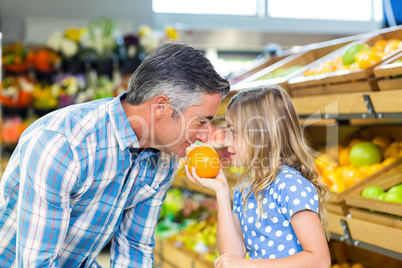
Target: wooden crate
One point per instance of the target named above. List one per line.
(344, 81)
(169, 255)
(388, 178)
(264, 64)
(307, 55)
(386, 71)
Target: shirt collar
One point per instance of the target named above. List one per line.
(121, 126)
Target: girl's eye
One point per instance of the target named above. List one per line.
(232, 132)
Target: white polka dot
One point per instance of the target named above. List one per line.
(270, 243)
(257, 211)
(315, 197)
(243, 236)
(264, 216)
(274, 219)
(272, 256)
(263, 252)
(256, 247)
(287, 198)
(293, 172)
(304, 194)
(255, 253)
(242, 221)
(284, 210)
(308, 189)
(296, 201)
(271, 191)
(258, 225)
(279, 198)
(282, 186)
(275, 195)
(249, 241)
(289, 237)
(289, 176)
(238, 209)
(265, 200)
(291, 251)
(298, 241)
(262, 238)
(293, 188)
(285, 223)
(272, 206)
(268, 229)
(281, 247)
(245, 228)
(278, 233)
(307, 206)
(248, 248)
(250, 220)
(251, 205)
(253, 233)
(290, 212)
(299, 181)
(312, 201)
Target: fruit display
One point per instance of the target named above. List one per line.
(16, 91)
(393, 194)
(358, 56)
(348, 265)
(344, 166)
(280, 72)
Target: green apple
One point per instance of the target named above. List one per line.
(365, 154)
(349, 56)
(382, 196)
(396, 189)
(372, 192)
(393, 197)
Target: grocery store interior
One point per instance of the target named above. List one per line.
(340, 62)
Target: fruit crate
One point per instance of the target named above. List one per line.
(259, 66)
(306, 56)
(389, 73)
(169, 255)
(343, 81)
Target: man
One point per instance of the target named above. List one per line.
(97, 171)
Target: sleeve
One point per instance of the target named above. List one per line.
(133, 243)
(295, 194)
(48, 176)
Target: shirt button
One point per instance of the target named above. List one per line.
(109, 227)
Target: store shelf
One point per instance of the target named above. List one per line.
(365, 105)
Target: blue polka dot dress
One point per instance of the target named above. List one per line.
(273, 236)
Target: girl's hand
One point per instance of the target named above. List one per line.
(230, 261)
(215, 184)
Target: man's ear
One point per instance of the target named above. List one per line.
(161, 104)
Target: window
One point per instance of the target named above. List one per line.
(349, 10)
(206, 7)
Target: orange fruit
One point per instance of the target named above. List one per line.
(380, 45)
(366, 59)
(388, 161)
(351, 175)
(358, 265)
(373, 169)
(344, 156)
(354, 142)
(392, 45)
(205, 160)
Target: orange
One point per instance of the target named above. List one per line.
(392, 45)
(382, 142)
(354, 142)
(358, 265)
(373, 169)
(388, 161)
(205, 160)
(344, 156)
(380, 45)
(366, 59)
(351, 176)
(393, 150)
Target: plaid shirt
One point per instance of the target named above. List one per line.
(76, 180)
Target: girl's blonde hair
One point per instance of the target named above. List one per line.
(267, 122)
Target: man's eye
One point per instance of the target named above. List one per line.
(201, 123)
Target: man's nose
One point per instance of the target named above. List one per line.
(203, 133)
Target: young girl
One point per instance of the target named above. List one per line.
(278, 215)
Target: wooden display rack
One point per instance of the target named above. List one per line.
(345, 81)
(385, 72)
(306, 56)
(168, 255)
(372, 219)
